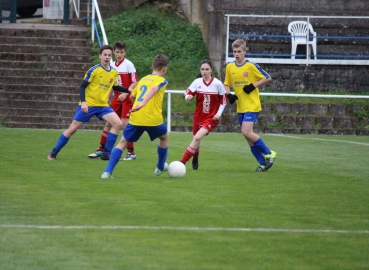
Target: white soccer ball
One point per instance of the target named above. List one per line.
(176, 169)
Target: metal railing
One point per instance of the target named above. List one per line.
(271, 58)
(94, 29)
(170, 92)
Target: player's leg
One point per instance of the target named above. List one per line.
(64, 138)
(130, 133)
(160, 132)
(79, 118)
(194, 147)
(113, 119)
(257, 146)
(131, 155)
(103, 137)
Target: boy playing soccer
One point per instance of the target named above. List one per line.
(245, 77)
(146, 115)
(94, 93)
(121, 102)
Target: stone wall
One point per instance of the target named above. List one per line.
(295, 118)
(209, 14)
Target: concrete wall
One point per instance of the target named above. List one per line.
(209, 14)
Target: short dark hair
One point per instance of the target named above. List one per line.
(119, 45)
(160, 61)
(105, 47)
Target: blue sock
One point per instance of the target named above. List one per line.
(114, 159)
(162, 156)
(60, 144)
(110, 141)
(258, 155)
(262, 147)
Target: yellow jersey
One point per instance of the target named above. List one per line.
(238, 77)
(151, 113)
(100, 81)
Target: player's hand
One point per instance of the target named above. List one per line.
(248, 88)
(216, 118)
(232, 98)
(122, 97)
(188, 98)
(137, 107)
(84, 107)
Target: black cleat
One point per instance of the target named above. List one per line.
(195, 163)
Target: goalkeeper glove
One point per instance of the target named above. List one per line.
(248, 88)
(231, 98)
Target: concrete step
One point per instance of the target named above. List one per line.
(31, 65)
(39, 104)
(45, 30)
(78, 74)
(44, 57)
(34, 96)
(45, 89)
(39, 41)
(54, 50)
(40, 80)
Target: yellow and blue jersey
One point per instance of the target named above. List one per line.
(151, 113)
(100, 81)
(239, 76)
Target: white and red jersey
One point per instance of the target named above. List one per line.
(210, 98)
(127, 75)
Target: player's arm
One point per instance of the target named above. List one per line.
(189, 95)
(82, 96)
(121, 89)
(146, 99)
(231, 97)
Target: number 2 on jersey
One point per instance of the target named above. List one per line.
(143, 90)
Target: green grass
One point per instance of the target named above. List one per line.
(318, 183)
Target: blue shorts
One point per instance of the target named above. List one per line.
(247, 117)
(133, 133)
(99, 112)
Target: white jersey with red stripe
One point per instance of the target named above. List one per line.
(127, 72)
(209, 97)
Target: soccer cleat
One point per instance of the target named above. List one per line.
(260, 168)
(96, 154)
(130, 156)
(269, 160)
(158, 172)
(195, 163)
(51, 156)
(106, 175)
(105, 157)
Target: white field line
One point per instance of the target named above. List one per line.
(316, 139)
(204, 229)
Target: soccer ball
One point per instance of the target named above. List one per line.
(176, 169)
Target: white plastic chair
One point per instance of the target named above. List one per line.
(299, 31)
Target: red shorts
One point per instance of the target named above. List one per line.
(209, 124)
(121, 108)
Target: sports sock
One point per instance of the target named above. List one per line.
(162, 156)
(190, 152)
(197, 153)
(130, 148)
(262, 147)
(62, 141)
(104, 135)
(258, 155)
(116, 154)
(110, 141)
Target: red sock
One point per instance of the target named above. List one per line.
(104, 135)
(190, 152)
(130, 148)
(196, 155)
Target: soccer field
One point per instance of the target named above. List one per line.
(309, 211)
